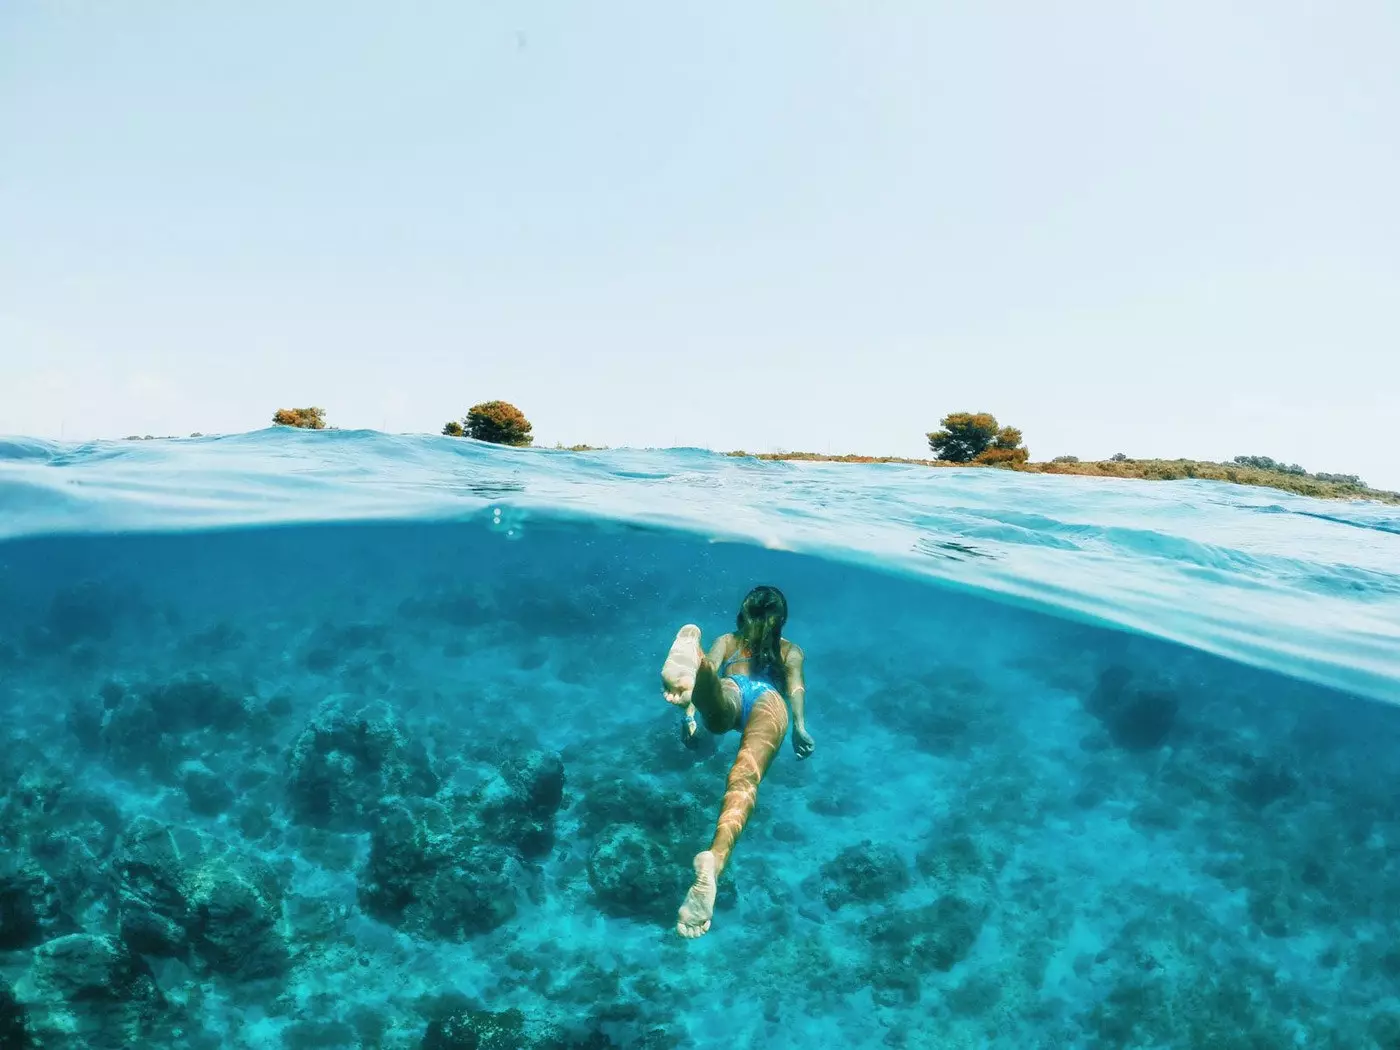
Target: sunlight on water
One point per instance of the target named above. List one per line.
(1098, 764)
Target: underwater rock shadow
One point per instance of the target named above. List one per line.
(1137, 716)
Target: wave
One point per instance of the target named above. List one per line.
(1306, 587)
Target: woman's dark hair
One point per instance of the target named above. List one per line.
(759, 627)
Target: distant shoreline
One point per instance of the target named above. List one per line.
(1138, 469)
(1302, 484)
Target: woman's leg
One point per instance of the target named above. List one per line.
(763, 735)
(688, 678)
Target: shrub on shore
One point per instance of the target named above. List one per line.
(302, 418)
(1342, 479)
(1000, 456)
(1269, 463)
(498, 422)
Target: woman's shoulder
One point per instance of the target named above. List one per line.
(791, 649)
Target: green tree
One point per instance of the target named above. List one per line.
(967, 435)
(498, 422)
(304, 418)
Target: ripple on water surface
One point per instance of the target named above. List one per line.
(1307, 587)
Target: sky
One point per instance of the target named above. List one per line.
(1158, 229)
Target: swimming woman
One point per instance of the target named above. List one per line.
(745, 683)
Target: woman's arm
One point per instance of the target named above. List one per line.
(802, 741)
(718, 652)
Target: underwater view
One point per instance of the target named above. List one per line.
(352, 740)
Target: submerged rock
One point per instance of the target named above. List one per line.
(950, 713)
(863, 874)
(632, 876)
(537, 780)
(197, 702)
(476, 1030)
(1138, 716)
(39, 807)
(331, 645)
(1196, 1008)
(89, 966)
(519, 809)
(1263, 783)
(158, 727)
(449, 867)
(463, 1027)
(86, 990)
(431, 875)
(207, 793)
(954, 858)
(181, 897)
(153, 865)
(14, 1021)
(234, 908)
(345, 763)
(906, 944)
(678, 821)
(55, 840)
(29, 903)
(85, 612)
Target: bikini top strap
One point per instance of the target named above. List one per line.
(735, 656)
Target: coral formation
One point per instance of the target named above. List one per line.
(865, 873)
(14, 1021)
(906, 944)
(93, 990)
(433, 877)
(632, 875)
(181, 896)
(345, 762)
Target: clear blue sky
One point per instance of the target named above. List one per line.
(1165, 229)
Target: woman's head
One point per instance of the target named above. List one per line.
(760, 606)
(759, 626)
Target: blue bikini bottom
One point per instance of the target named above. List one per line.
(750, 689)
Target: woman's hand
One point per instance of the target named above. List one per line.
(802, 742)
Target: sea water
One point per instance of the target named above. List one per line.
(350, 740)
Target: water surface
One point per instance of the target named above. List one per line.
(346, 739)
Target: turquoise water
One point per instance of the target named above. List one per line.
(349, 740)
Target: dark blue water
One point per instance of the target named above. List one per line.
(341, 740)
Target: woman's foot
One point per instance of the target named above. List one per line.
(682, 663)
(690, 732)
(699, 903)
